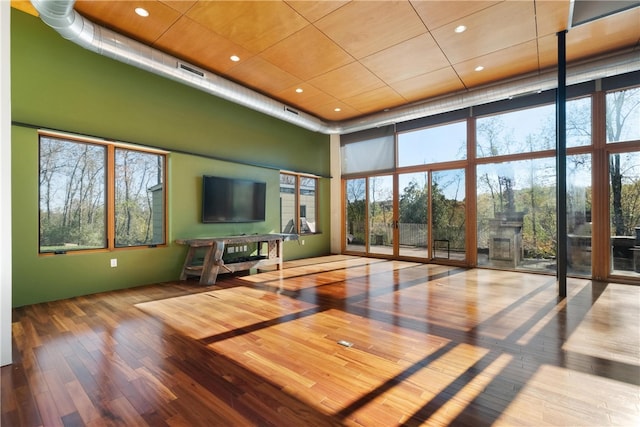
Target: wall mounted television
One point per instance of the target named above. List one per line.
(232, 200)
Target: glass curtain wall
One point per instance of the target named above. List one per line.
(514, 171)
(516, 200)
(516, 222)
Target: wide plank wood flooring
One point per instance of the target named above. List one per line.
(332, 341)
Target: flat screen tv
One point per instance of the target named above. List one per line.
(232, 200)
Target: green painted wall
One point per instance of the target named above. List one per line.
(58, 85)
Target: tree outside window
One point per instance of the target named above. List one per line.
(75, 183)
(139, 218)
(72, 195)
(623, 125)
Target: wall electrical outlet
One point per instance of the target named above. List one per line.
(114, 262)
(302, 242)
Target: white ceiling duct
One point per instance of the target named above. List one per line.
(60, 15)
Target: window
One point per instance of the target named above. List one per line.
(579, 207)
(516, 213)
(579, 118)
(99, 196)
(623, 129)
(522, 131)
(623, 115)
(533, 129)
(72, 195)
(139, 198)
(624, 207)
(433, 145)
(298, 203)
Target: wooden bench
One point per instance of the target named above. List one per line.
(214, 264)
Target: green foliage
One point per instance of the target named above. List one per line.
(356, 210)
(413, 204)
(73, 194)
(80, 233)
(133, 222)
(448, 215)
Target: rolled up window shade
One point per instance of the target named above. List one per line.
(370, 150)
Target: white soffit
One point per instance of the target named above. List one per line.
(583, 11)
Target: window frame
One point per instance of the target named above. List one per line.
(109, 190)
(297, 226)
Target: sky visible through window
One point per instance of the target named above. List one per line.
(433, 145)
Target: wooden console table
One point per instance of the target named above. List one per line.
(213, 264)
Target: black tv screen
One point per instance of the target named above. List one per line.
(232, 200)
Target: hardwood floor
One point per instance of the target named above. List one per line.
(332, 341)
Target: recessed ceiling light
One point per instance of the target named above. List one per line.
(337, 109)
(299, 90)
(460, 29)
(142, 12)
(479, 68)
(235, 58)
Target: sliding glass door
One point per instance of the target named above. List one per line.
(381, 218)
(448, 215)
(369, 215)
(421, 217)
(355, 214)
(413, 215)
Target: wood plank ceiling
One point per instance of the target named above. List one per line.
(343, 59)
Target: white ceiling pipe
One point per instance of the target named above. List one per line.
(60, 15)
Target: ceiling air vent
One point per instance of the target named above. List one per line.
(290, 110)
(190, 69)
